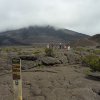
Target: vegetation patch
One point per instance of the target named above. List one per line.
(37, 52)
(97, 52)
(93, 61)
(80, 49)
(49, 52)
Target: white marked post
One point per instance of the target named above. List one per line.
(17, 80)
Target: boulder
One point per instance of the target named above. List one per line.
(95, 75)
(73, 58)
(49, 61)
(62, 58)
(30, 64)
(27, 65)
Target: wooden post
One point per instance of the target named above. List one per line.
(17, 80)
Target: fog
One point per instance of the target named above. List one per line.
(78, 15)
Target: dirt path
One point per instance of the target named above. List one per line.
(53, 83)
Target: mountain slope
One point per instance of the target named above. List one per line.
(5, 40)
(96, 38)
(38, 34)
(91, 41)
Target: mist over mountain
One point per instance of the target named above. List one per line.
(39, 34)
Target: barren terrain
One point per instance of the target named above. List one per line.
(67, 80)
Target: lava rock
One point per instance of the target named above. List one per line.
(49, 61)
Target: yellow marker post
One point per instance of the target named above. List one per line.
(17, 80)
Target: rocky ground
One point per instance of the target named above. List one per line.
(53, 83)
(59, 78)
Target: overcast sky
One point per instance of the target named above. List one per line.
(78, 15)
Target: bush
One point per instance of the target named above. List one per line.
(80, 49)
(49, 52)
(97, 52)
(98, 46)
(37, 52)
(92, 61)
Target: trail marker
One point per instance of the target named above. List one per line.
(17, 80)
(16, 75)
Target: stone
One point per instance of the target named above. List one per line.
(49, 61)
(95, 74)
(73, 58)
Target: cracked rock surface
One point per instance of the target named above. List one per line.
(65, 83)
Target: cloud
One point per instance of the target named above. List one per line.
(79, 15)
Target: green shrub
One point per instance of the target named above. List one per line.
(49, 52)
(97, 52)
(80, 49)
(87, 71)
(92, 61)
(37, 52)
